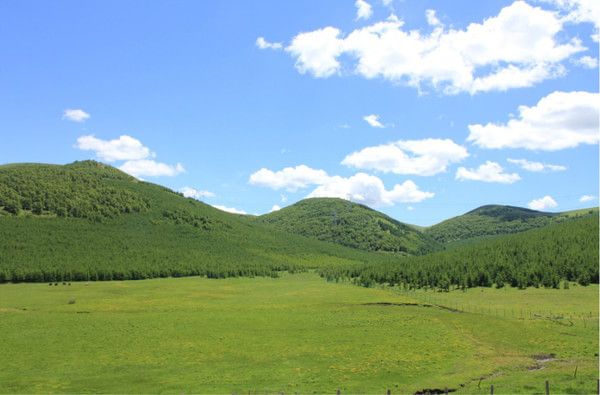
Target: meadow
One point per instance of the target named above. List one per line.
(293, 334)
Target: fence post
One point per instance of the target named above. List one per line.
(446, 390)
(547, 388)
(492, 389)
(389, 392)
(338, 392)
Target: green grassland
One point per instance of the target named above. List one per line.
(292, 334)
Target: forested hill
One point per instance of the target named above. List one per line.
(87, 220)
(538, 257)
(349, 224)
(492, 220)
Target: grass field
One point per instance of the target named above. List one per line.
(296, 333)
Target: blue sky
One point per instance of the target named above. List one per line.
(421, 109)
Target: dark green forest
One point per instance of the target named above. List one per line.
(539, 257)
(493, 220)
(349, 224)
(90, 221)
(97, 223)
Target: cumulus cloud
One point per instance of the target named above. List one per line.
(370, 190)
(587, 198)
(75, 115)
(363, 9)
(487, 172)
(487, 56)
(559, 120)
(290, 178)
(581, 11)
(316, 52)
(536, 166)
(432, 19)
(123, 148)
(275, 207)
(194, 193)
(264, 44)
(587, 61)
(420, 157)
(544, 203)
(361, 187)
(138, 158)
(229, 209)
(151, 168)
(373, 120)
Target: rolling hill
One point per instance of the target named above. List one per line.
(349, 224)
(492, 220)
(87, 220)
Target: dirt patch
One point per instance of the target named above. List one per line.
(434, 391)
(82, 312)
(412, 305)
(396, 304)
(542, 358)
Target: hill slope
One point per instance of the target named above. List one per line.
(544, 256)
(87, 220)
(349, 224)
(494, 220)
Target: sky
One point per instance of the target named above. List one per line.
(423, 110)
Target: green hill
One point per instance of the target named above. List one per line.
(561, 251)
(492, 220)
(87, 220)
(349, 224)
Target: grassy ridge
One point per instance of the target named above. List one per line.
(563, 251)
(80, 234)
(494, 220)
(350, 224)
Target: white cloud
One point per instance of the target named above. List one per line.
(558, 121)
(290, 178)
(581, 11)
(373, 120)
(275, 207)
(587, 198)
(123, 148)
(229, 209)
(370, 190)
(420, 157)
(536, 166)
(151, 168)
(316, 52)
(487, 56)
(432, 19)
(587, 61)
(190, 192)
(75, 115)
(363, 9)
(487, 172)
(264, 44)
(387, 3)
(361, 187)
(137, 157)
(543, 203)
